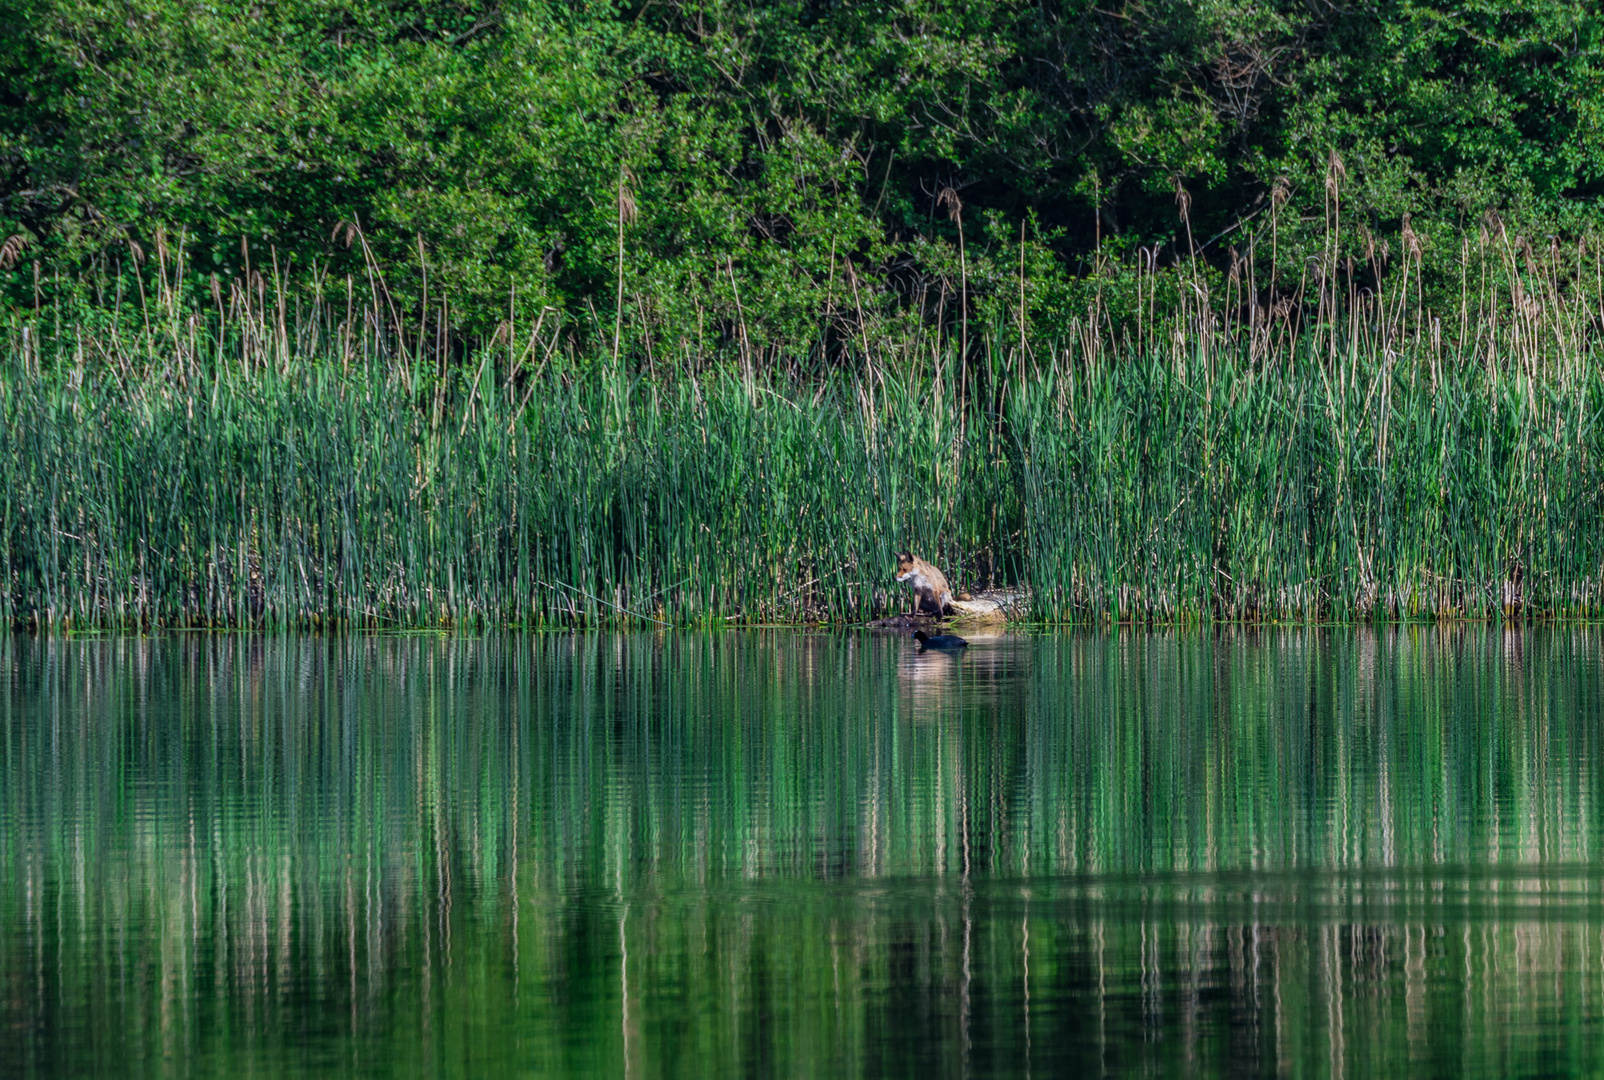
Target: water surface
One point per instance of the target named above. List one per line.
(1312, 853)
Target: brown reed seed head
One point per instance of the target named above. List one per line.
(12, 249)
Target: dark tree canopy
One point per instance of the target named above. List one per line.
(780, 158)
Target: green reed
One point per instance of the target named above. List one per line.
(302, 498)
(1130, 490)
(1224, 448)
(1403, 488)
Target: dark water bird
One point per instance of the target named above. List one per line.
(950, 642)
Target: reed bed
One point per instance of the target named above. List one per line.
(1240, 492)
(1221, 450)
(315, 501)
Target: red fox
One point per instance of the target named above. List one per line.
(929, 585)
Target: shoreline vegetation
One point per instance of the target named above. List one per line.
(696, 312)
(284, 451)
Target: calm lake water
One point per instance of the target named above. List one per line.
(1321, 852)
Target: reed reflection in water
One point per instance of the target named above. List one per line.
(1292, 852)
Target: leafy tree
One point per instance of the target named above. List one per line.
(706, 171)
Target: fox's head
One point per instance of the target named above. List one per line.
(904, 563)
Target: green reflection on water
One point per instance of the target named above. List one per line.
(1314, 853)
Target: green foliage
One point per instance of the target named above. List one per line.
(701, 173)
